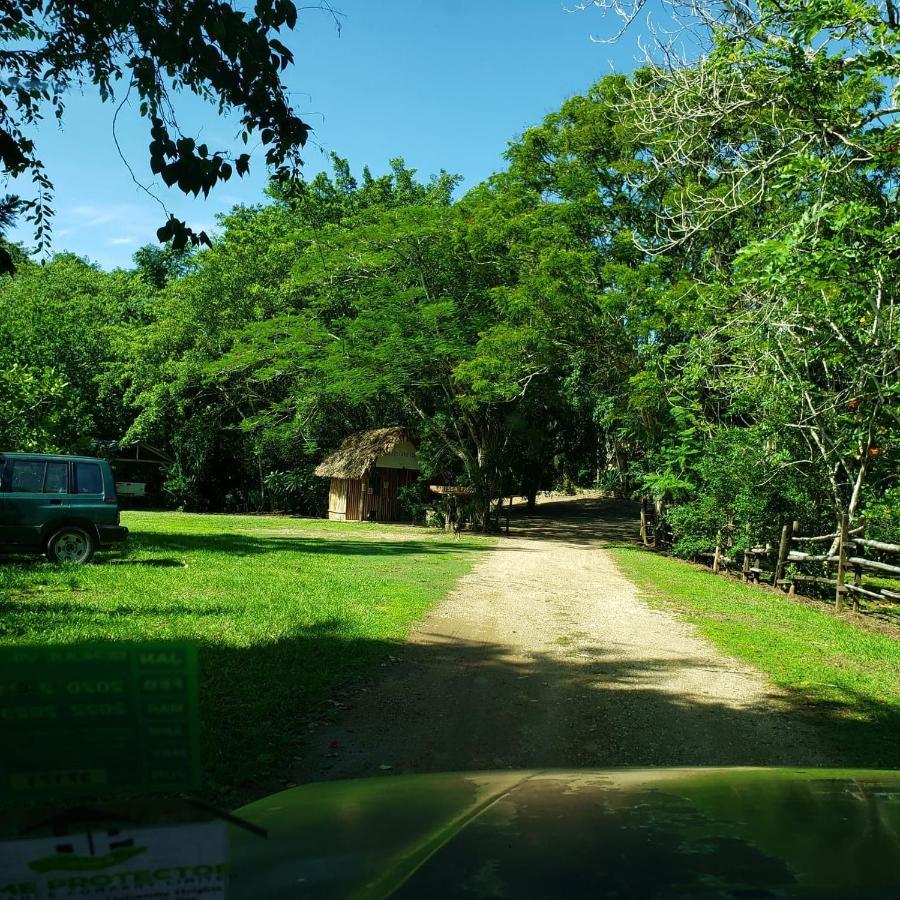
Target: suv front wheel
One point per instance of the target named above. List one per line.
(71, 544)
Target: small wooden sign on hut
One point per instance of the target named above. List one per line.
(367, 472)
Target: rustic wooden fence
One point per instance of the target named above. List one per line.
(844, 551)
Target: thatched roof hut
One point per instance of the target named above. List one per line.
(366, 472)
(360, 451)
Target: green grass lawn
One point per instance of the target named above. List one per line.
(284, 610)
(846, 675)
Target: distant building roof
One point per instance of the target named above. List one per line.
(359, 451)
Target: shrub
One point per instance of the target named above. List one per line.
(883, 516)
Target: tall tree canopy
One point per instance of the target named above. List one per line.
(149, 50)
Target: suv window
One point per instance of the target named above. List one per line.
(26, 476)
(56, 481)
(88, 479)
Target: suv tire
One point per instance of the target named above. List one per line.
(71, 543)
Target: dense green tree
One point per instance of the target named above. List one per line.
(212, 377)
(33, 407)
(158, 265)
(779, 149)
(58, 330)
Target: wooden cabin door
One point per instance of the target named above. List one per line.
(356, 500)
(377, 496)
(388, 496)
(383, 501)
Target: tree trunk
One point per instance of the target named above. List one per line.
(484, 509)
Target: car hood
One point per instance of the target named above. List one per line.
(672, 833)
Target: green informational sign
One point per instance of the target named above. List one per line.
(95, 720)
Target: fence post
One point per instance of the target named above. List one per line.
(857, 570)
(795, 529)
(717, 559)
(840, 590)
(783, 549)
(745, 573)
(644, 521)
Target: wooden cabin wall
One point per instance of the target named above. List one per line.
(349, 499)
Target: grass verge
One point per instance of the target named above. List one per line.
(847, 677)
(284, 611)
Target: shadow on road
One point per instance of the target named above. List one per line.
(494, 713)
(579, 521)
(251, 545)
(271, 717)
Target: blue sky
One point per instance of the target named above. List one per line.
(443, 83)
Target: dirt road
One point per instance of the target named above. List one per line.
(545, 656)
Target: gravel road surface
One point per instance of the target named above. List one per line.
(546, 656)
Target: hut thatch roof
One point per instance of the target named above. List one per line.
(359, 451)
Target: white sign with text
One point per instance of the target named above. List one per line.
(118, 863)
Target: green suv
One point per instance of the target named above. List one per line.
(64, 506)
